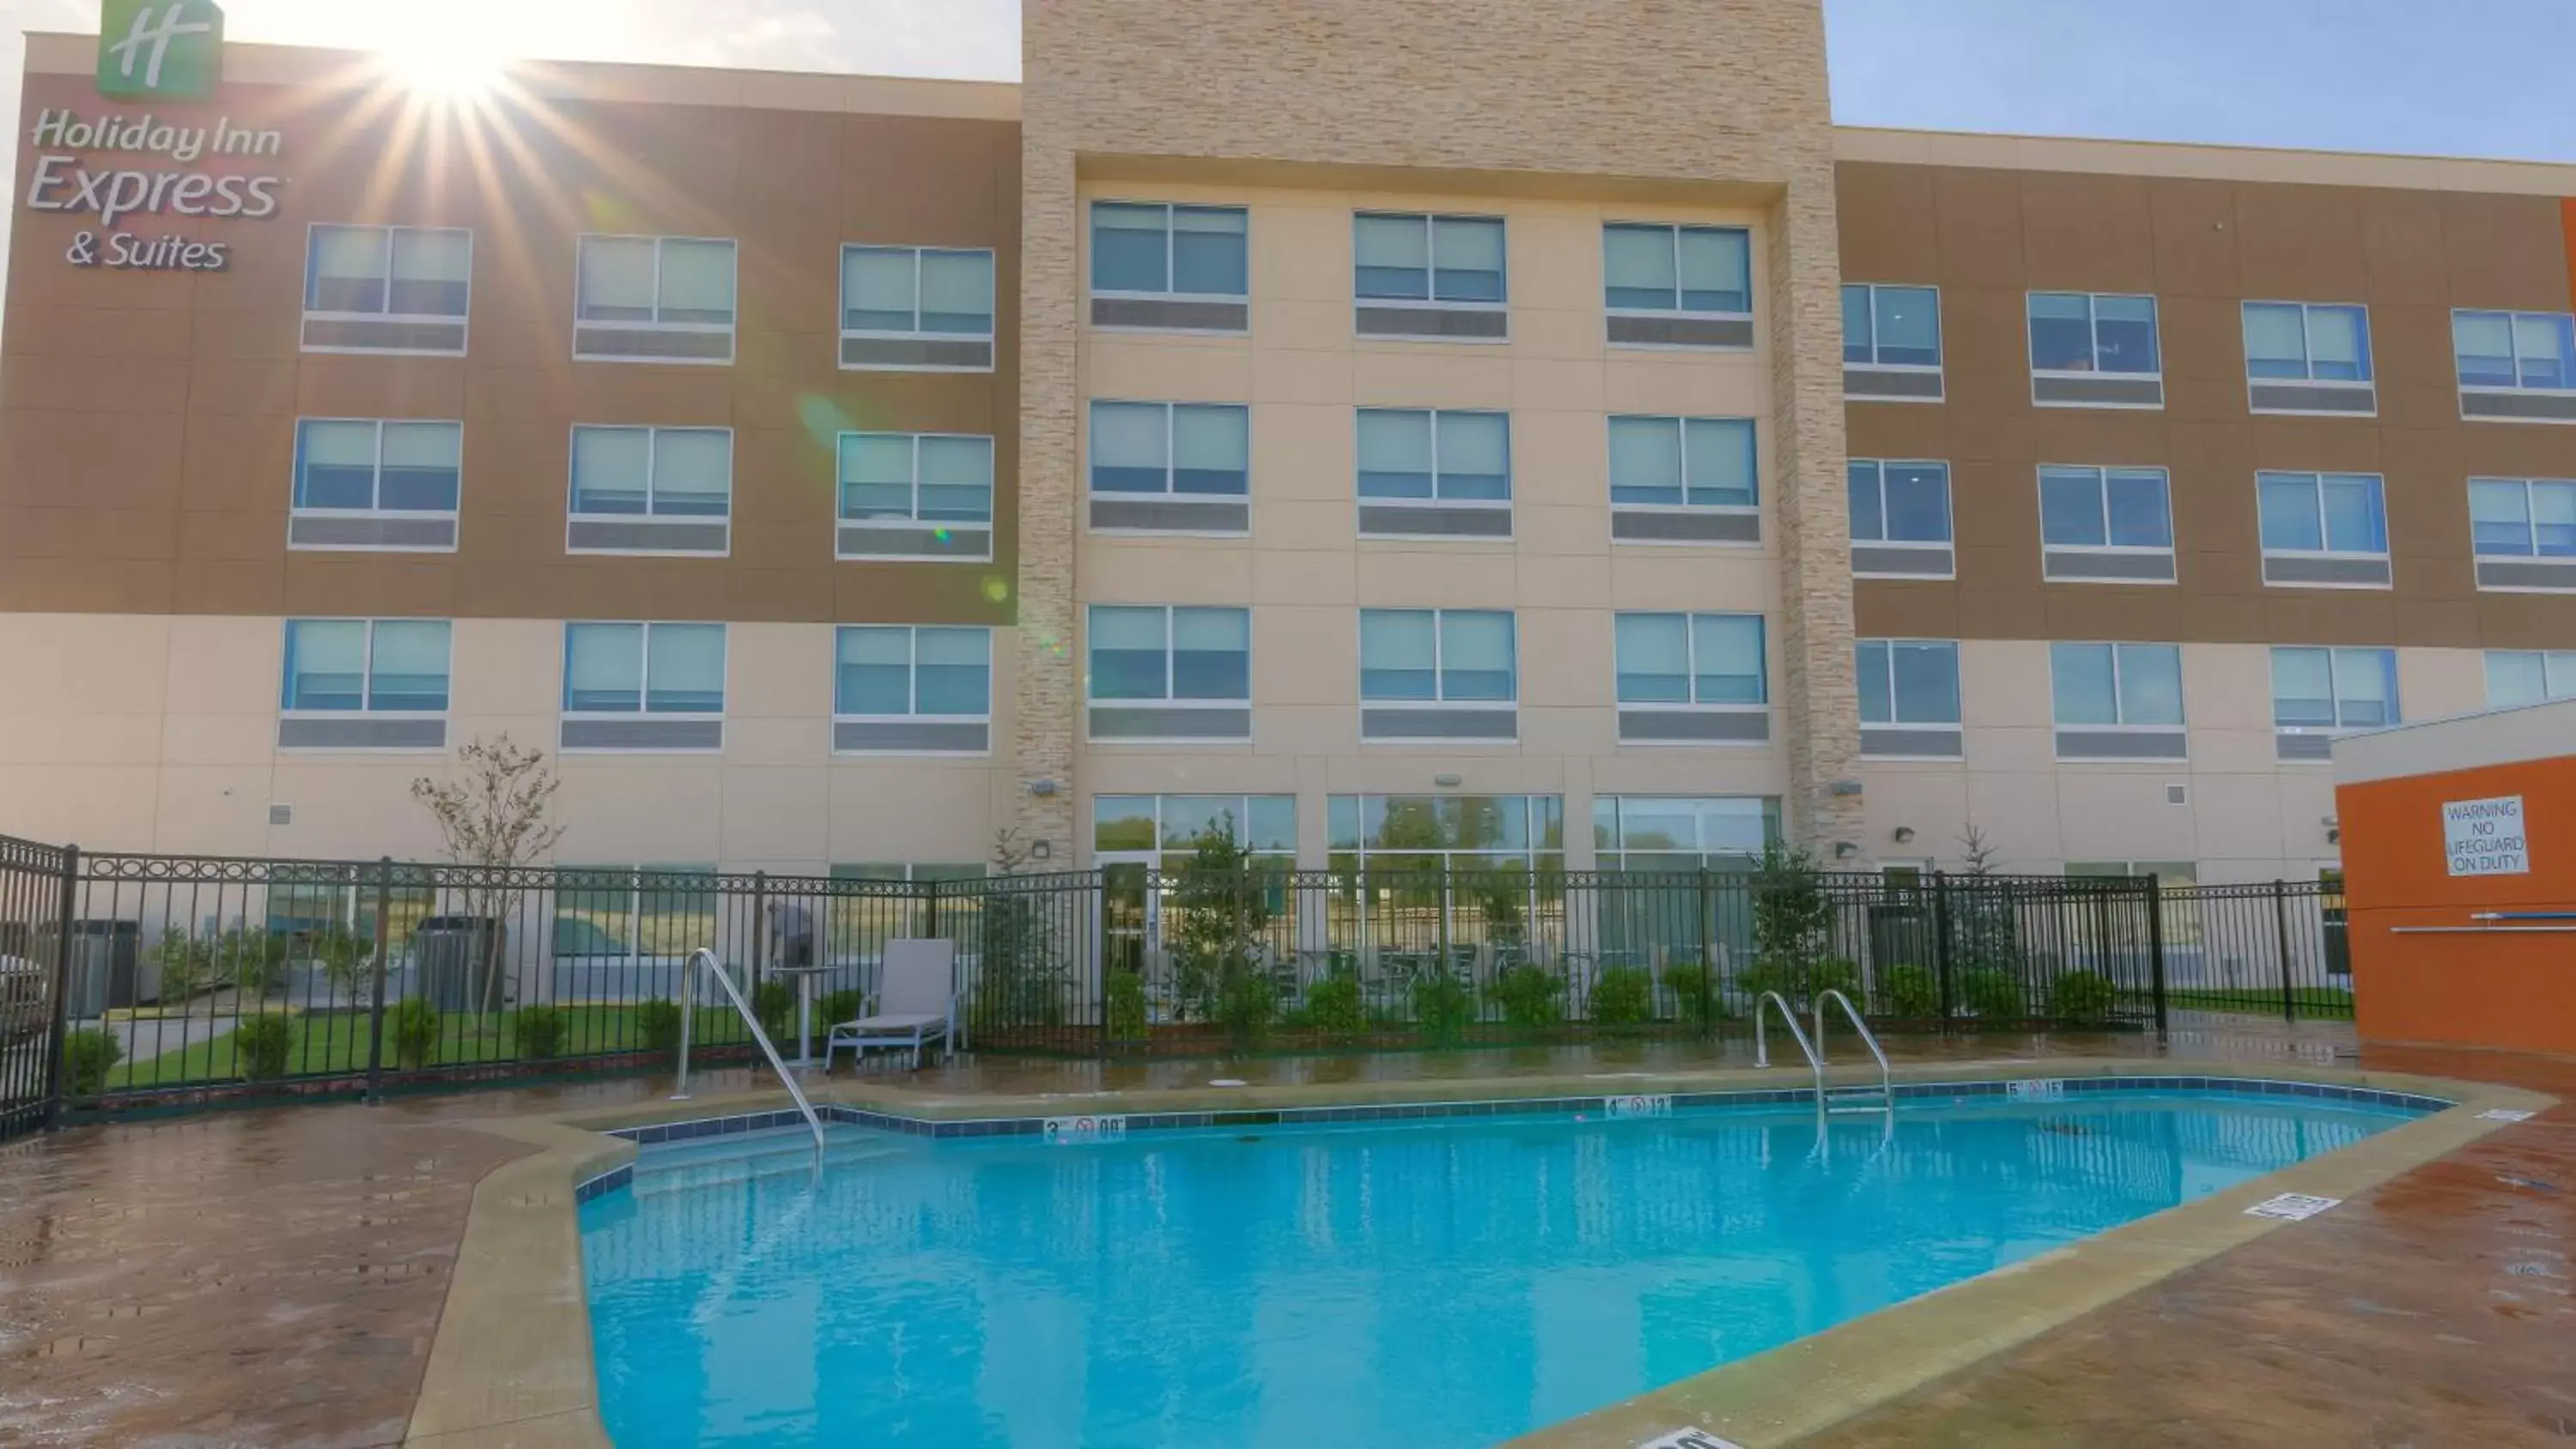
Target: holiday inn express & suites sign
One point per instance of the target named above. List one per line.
(160, 49)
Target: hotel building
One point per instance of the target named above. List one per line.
(1477, 428)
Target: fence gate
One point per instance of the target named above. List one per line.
(31, 947)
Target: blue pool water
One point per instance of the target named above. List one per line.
(1423, 1283)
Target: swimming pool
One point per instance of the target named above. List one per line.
(1419, 1281)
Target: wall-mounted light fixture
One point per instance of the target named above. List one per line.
(1042, 788)
(1904, 833)
(1845, 850)
(1448, 782)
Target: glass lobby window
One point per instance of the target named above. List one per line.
(1154, 654)
(652, 472)
(644, 669)
(387, 288)
(903, 295)
(1695, 659)
(1184, 448)
(2522, 517)
(906, 671)
(1152, 249)
(2093, 332)
(654, 299)
(1682, 462)
(2307, 342)
(1437, 655)
(373, 666)
(2334, 688)
(2529, 676)
(1899, 501)
(2116, 684)
(2528, 351)
(1463, 832)
(1908, 681)
(1412, 257)
(1164, 830)
(2104, 508)
(1685, 832)
(916, 478)
(1412, 453)
(369, 465)
(2323, 513)
(1655, 268)
(1887, 326)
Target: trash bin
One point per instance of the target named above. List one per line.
(451, 955)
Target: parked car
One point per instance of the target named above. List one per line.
(22, 999)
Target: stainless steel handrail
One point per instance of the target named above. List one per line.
(704, 959)
(1886, 1079)
(1788, 1018)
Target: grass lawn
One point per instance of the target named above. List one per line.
(327, 1043)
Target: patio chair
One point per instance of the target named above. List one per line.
(916, 1005)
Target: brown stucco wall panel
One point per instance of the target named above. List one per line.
(2195, 245)
(2503, 251)
(2300, 242)
(2086, 233)
(1979, 242)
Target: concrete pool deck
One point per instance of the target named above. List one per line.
(351, 1276)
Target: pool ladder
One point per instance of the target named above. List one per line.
(1845, 1099)
(703, 959)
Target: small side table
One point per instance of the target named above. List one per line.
(804, 978)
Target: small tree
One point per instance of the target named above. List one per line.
(1983, 931)
(492, 814)
(1019, 979)
(1793, 923)
(1219, 910)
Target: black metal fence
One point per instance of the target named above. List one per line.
(163, 974)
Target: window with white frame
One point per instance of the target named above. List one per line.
(375, 484)
(387, 288)
(2308, 357)
(2333, 689)
(1169, 673)
(1414, 257)
(1650, 833)
(1442, 656)
(915, 495)
(1396, 836)
(2523, 517)
(1425, 471)
(654, 299)
(2094, 349)
(2529, 676)
(916, 309)
(2524, 351)
(2323, 529)
(1697, 270)
(1162, 831)
(2117, 701)
(2105, 524)
(912, 689)
(364, 684)
(649, 686)
(1171, 467)
(1909, 697)
(1706, 660)
(912, 872)
(1682, 463)
(1900, 518)
(1151, 249)
(650, 490)
(1891, 342)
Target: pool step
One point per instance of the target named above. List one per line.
(1858, 1099)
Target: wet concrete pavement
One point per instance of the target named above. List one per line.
(272, 1277)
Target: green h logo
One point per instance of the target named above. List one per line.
(166, 49)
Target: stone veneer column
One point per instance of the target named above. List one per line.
(1049, 687)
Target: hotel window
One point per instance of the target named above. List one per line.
(1178, 268)
(902, 689)
(1691, 679)
(2096, 350)
(1438, 674)
(359, 684)
(915, 496)
(2323, 530)
(1909, 698)
(1171, 467)
(1423, 276)
(2524, 533)
(909, 872)
(1891, 343)
(643, 687)
(2117, 701)
(651, 491)
(654, 299)
(1165, 674)
(1683, 832)
(387, 289)
(375, 485)
(2308, 357)
(1163, 831)
(2105, 525)
(611, 919)
(916, 309)
(2317, 692)
(1677, 286)
(1900, 519)
(2516, 366)
(1683, 480)
(1434, 474)
(2529, 676)
(1392, 837)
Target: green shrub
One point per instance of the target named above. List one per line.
(1801, 982)
(541, 1031)
(261, 1045)
(1126, 1006)
(1247, 1002)
(414, 1025)
(1532, 998)
(1697, 996)
(1913, 992)
(1442, 1005)
(774, 1002)
(1623, 996)
(87, 1056)
(658, 1024)
(1993, 995)
(1333, 1006)
(2083, 997)
(839, 1006)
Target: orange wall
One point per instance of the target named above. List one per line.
(2502, 990)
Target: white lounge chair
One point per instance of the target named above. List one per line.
(916, 1005)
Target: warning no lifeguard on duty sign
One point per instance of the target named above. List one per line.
(2485, 837)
